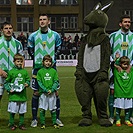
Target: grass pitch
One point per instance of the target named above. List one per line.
(70, 111)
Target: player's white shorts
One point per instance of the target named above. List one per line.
(123, 103)
(17, 107)
(2, 80)
(47, 102)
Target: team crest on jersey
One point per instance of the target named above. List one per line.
(47, 76)
(44, 44)
(124, 45)
(125, 76)
(19, 75)
(19, 78)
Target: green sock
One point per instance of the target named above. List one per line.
(42, 116)
(127, 114)
(111, 104)
(11, 118)
(118, 111)
(21, 119)
(53, 114)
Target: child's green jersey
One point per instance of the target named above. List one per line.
(17, 77)
(47, 79)
(123, 84)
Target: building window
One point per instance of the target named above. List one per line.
(130, 13)
(69, 2)
(64, 2)
(4, 2)
(53, 23)
(25, 24)
(64, 22)
(73, 22)
(4, 19)
(44, 2)
(58, 2)
(24, 2)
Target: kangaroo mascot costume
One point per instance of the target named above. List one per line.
(92, 68)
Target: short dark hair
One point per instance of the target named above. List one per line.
(124, 16)
(18, 57)
(5, 23)
(124, 59)
(47, 57)
(43, 14)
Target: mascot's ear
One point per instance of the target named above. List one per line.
(98, 6)
(106, 7)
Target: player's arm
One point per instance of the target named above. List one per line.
(3, 73)
(27, 83)
(7, 83)
(57, 43)
(56, 83)
(30, 45)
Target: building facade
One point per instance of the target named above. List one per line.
(23, 14)
(64, 14)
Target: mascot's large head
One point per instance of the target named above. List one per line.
(97, 17)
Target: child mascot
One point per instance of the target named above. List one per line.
(92, 68)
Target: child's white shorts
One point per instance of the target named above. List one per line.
(123, 103)
(47, 102)
(17, 107)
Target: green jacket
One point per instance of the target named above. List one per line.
(123, 84)
(21, 76)
(47, 79)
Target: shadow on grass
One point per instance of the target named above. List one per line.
(27, 121)
(66, 120)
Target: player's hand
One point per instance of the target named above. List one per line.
(49, 92)
(11, 91)
(0, 72)
(117, 55)
(3, 73)
(119, 69)
(36, 93)
(56, 93)
(26, 85)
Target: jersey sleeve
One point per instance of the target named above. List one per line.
(19, 47)
(31, 40)
(57, 39)
(30, 44)
(27, 78)
(56, 82)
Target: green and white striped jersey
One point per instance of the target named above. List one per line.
(122, 43)
(7, 51)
